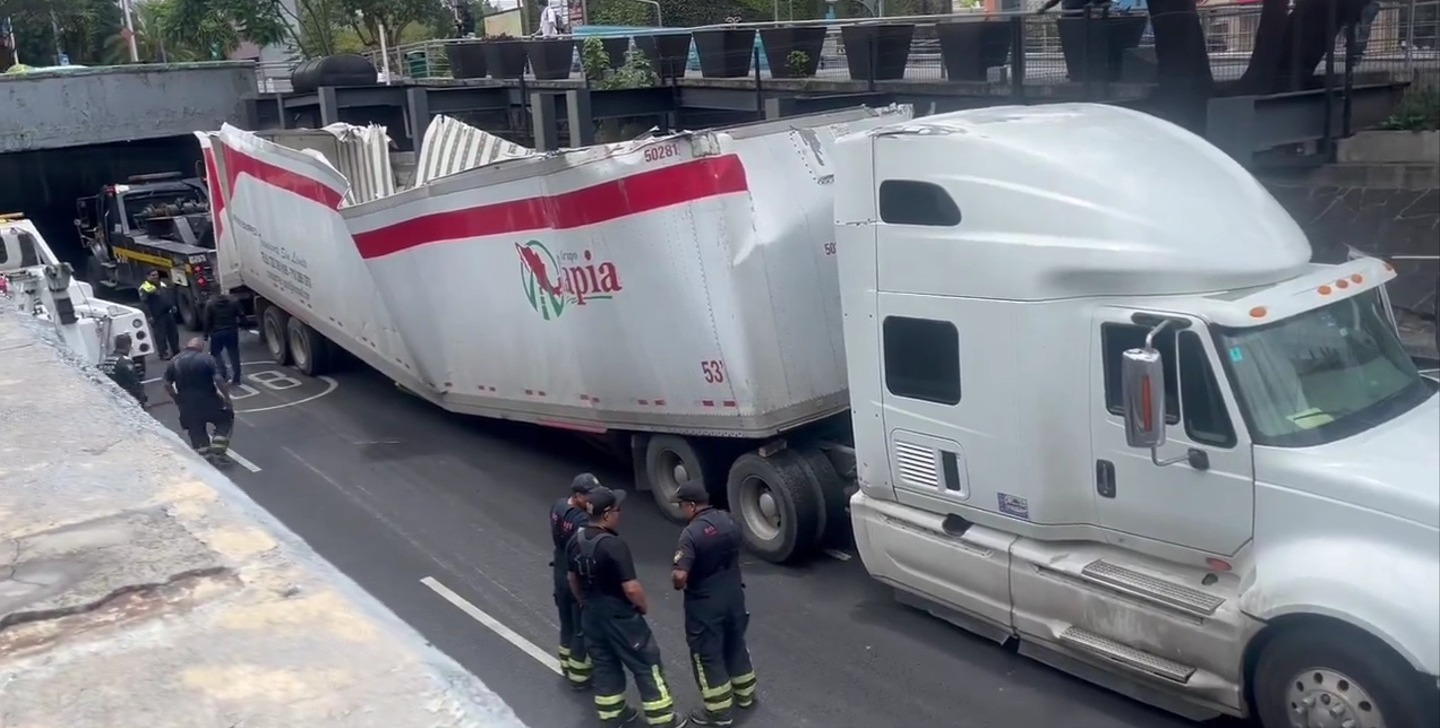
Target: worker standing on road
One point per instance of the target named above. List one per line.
(194, 383)
(221, 321)
(121, 369)
(158, 298)
(707, 568)
(567, 516)
(613, 608)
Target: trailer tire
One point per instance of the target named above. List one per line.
(273, 322)
(1341, 669)
(779, 507)
(671, 460)
(189, 311)
(309, 351)
(832, 490)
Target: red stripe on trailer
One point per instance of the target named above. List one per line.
(238, 163)
(707, 402)
(659, 403)
(530, 391)
(541, 392)
(610, 200)
(212, 183)
(729, 403)
(577, 427)
(643, 401)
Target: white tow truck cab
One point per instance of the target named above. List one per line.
(1104, 404)
(39, 284)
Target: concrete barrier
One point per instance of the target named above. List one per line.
(140, 587)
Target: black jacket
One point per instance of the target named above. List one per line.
(158, 299)
(122, 370)
(222, 313)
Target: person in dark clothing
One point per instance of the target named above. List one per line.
(612, 609)
(158, 298)
(567, 516)
(194, 383)
(122, 370)
(221, 324)
(707, 569)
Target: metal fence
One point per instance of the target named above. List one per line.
(1399, 37)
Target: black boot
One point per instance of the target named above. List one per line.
(700, 716)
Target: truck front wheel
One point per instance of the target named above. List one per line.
(273, 329)
(1340, 677)
(780, 508)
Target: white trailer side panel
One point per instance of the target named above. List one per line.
(681, 284)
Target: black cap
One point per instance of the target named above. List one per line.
(123, 341)
(584, 483)
(603, 500)
(691, 491)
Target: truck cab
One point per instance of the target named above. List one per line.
(1106, 406)
(151, 222)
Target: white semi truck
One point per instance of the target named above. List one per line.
(1101, 401)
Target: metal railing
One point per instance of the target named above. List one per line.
(1106, 46)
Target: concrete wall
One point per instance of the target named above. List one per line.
(51, 109)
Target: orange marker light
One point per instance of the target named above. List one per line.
(1258, 312)
(1357, 278)
(1324, 290)
(1215, 564)
(1147, 420)
(1342, 283)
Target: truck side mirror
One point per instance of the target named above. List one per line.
(1142, 376)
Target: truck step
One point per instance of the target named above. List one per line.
(1153, 589)
(1137, 660)
(107, 264)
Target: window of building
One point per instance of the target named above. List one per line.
(1207, 421)
(907, 202)
(922, 359)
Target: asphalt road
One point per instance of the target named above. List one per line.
(394, 491)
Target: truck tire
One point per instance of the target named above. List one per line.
(309, 351)
(273, 330)
(832, 491)
(779, 507)
(189, 311)
(671, 460)
(1338, 668)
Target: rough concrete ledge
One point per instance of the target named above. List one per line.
(140, 588)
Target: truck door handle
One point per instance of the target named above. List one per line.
(1105, 478)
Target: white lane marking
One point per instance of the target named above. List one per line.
(507, 634)
(242, 461)
(837, 554)
(330, 385)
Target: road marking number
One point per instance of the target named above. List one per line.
(270, 379)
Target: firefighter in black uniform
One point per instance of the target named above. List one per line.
(707, 568)
(194, 381)
(613, 608)
(567, 516)
(158, 298)
(121, 369)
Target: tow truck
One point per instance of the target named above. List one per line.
(39, 284)
(157, 222)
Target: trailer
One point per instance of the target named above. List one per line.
(675, 296)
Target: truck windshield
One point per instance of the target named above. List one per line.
(1323, 375)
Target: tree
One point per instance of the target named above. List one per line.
(309, 29)
(44, 28)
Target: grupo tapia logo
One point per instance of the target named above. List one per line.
(552, 284)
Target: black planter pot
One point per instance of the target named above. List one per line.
(725, 53)
(781, 42)
(877, 52)
(467, 60)
(668, 53)
(504, 58)
(550, 60)
(970, 50)
(1095, 47)
(615, 49)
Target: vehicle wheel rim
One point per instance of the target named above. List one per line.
(668, 477)
(1325, 698)
(297, 350)
(274, 338)
(759, 509)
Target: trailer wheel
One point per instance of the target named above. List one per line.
(1333, 674)
(670, 461)
(832, 490)
(272, 329)
(780, 508)
(189, 311)
(309, 351)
